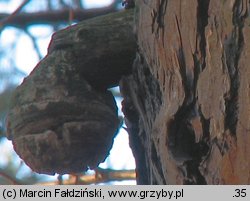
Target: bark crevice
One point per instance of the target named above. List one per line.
(202, 22)
(233, 49)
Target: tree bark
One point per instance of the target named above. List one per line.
(187, 101)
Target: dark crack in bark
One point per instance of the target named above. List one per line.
(202, 21)
(233, 47)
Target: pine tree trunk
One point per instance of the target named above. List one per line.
(187, 101)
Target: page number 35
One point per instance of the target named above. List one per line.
(240, 193)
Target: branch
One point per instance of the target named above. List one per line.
(12, 15)
(11, 179)
(50, 17)
(100, 176)
(35, 45)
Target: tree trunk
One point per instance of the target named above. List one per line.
(187, 101)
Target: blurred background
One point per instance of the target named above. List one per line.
(26, 27)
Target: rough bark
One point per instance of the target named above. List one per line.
(62, 117)
(187, 102)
